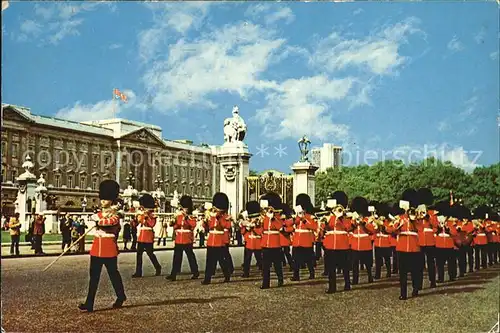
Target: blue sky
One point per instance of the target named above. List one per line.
(390, 78)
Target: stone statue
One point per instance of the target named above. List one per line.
(304, 144)
(235, 127)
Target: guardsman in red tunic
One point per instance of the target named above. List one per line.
(286, 235)
(480, 241)
(251, 229)
(146, 236)
(361, 243)
(303, 237)
(491, 235)
(104, 249)
(336, 242)
(271, 246)
(226, 254)
(184, 226)
(427, 226)
(408, 248)
(38, 231)
(463, 239)
(383, 231)
(217, 221)
(445, 246)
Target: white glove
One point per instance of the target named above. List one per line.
(270, 215)
(213, 214)
(95, 218)
(338, 214)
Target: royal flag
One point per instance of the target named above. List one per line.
(118, 94)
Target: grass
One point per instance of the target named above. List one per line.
(46, 237)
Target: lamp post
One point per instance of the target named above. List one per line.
(159, 195)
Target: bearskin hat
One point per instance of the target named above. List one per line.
(109, 190)
(187, 202)
(286, 210)
(304, 201)
(396, 210)
(341, 198)
(273, 199)
(360, 206)
(425, 196)
(411, 196)
(443, 208)
(253, 208)
(481, 211)
(383, 209)
(220, 201)
(465, 213)
(147, 201)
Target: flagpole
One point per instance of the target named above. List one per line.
(114, 104)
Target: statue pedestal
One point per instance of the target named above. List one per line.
(233, 159)
(304, 180)
(26, 202)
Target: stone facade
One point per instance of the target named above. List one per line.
(75, 157)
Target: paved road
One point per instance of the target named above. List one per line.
(33, 301)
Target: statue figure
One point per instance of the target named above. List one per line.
(235, 127)
(304, 144)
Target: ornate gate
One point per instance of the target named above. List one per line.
(270, 181)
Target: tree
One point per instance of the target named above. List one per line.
(253, 173)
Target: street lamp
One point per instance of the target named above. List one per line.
(159, 195)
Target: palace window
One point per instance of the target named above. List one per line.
(4, 173)
(57, 180)
(15, 148)
(94, 183)
(14, 175)
(70, 158)
(70, 181)
(198, 173)
(95, 160)
(207, 191)
(44, 156)
(57, 156)
(191, 173)
(84, 160)
(4, 148)
(82, 182)
(198, 191)
(191, 190)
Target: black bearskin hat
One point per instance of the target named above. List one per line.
(360, 206)
(425, 197)
(410, 195)
(109, 190)
(253, 208)
(220, 201)
(187, 202)
(286, 210)
(341, 198)
(383, 209)
(304, 201)
(273, 200)
(481, 211)
(147, 201)
(396, 210)
(443, 208)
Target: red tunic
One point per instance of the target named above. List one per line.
(216, 226)
(286, 233)
(253, 238)
(445, 240)
(145, 228)
(304, 232)
(337, 234)
(271, 232)
(38, 227)
(184, 229)
(407, 236)
(360, 238)
(480, 236)
(104, 244)
(383, 239)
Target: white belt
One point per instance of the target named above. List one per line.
(271, 232)
(360, 235)
(443, 235)
(252, 236)
(102, 234)
(336, 232)
(382, 235)
(481, 235)
(145, 228)
(302, 230)
(226, 229)
(216, 232)
(428, 230)
(182, 230)
(409, 233)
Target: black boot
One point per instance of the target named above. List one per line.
(119, 303)
(158, 271)
(280, 281)
(85, 307)
(195, 276)
(171, 277)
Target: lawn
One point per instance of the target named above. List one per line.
(46, 237)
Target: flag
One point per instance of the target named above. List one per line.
(118, 94)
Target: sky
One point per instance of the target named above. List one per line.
(382, 80)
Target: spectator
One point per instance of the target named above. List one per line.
(81, 231)
(5, 223)
(38, 232)
(65, 225)
(163, 233)
(133, 228)
(127, 234)
(200, 231)
(29, 236)
(15, 233)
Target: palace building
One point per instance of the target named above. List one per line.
(74, 157)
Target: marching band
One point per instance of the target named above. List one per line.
(407, 238)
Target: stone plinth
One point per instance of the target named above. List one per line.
(304, 180)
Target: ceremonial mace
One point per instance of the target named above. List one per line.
(69, 248)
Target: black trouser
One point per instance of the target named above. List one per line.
(446, 256)
(409, 262)
(287, 256)
(226, 255)
(214, 256)
(14, 244)
(301, 256)
(464, 253)
(429, 260)
(492, 253)
(111, 264)
(382, 255)
(317, 250)
(37, 240)
(366, 259)
(395, 260)
(164, 241)
(125, 243)
(239, 239)
(470, 257)
(134, 239)
(148, 248)
(271, 257)
(480, 256)
(65, 241)
(179, 250)
(337, 259)
(247, 260)
(202, 239)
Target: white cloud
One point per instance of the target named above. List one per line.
(470, 107)
(56, 21)
(101, 110)
(455, 45)
(115, 46)
(479, 37)
(494, 55)
(357, 11)
(270, 13)
(443, 126)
